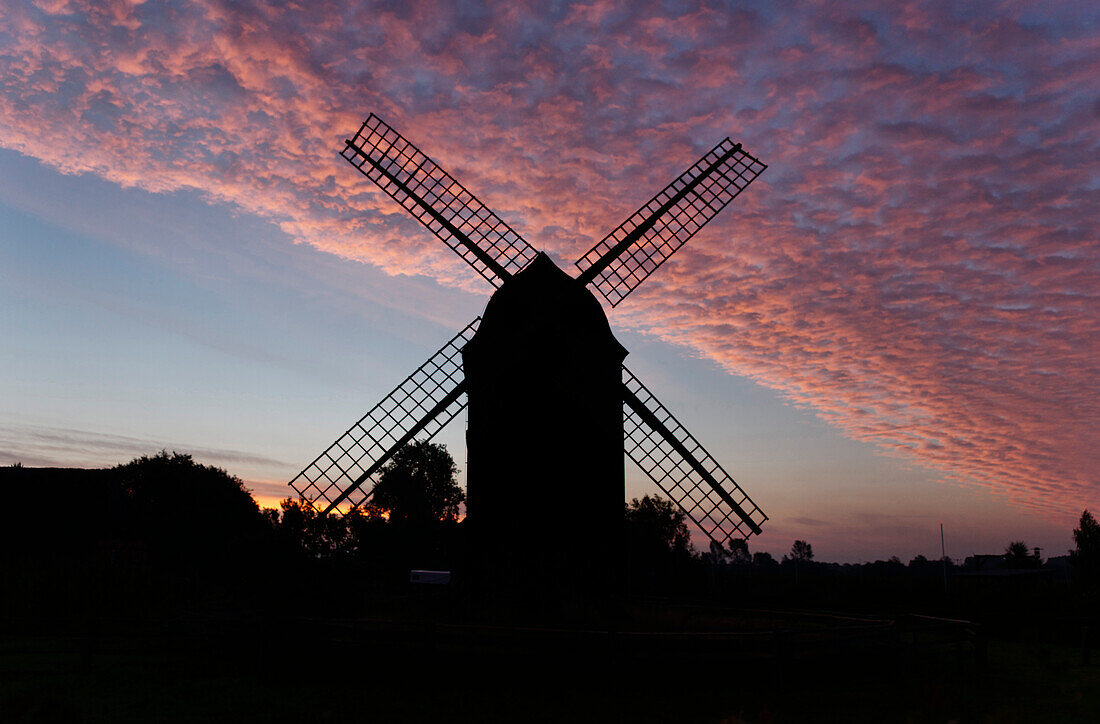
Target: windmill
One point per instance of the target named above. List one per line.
(550, 403)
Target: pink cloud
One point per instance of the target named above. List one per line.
(919, 265)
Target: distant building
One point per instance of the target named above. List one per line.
(1061, 568)
(984, 562)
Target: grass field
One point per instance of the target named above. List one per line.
(297, 671)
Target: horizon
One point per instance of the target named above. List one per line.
(894, 327)
(698, 539)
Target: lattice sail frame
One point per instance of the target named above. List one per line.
(434, 394)
(438, 201)
(344, 471)
(733, 170)
(658, 457)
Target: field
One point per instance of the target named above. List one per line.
(780, 667)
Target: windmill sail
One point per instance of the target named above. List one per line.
(424, 403)
(634, 250)
(679, 465)
(437, 201)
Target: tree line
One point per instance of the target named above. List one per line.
(168, 523)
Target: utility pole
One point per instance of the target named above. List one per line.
(943, 559)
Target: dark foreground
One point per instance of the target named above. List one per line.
(775, 667)
(159, 592)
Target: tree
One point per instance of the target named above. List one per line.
(736, 551)
(718, 553)
(802, 551)
(654, 526)
(763, 559)
(417, 486)
(185, 509)
(739, 551)
(1017, 555)
(302, 527)
(366, 530)
(1086, 556)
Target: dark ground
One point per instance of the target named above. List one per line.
(235, 667)
(107, 616)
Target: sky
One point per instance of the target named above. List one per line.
(895, 326)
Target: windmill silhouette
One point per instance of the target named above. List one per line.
(550, 403)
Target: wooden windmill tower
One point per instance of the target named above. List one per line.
(551, 406)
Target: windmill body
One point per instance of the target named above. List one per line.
(552, 409)
(544, 438)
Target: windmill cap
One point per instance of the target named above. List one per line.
(541, 309)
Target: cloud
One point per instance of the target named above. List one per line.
(919, 265)
(809, 522)
(48, 446)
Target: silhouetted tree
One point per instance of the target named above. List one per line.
(716, 554)
(158, 531)
(418, 485)
(186, 510)
(802, 551)
(366, 530)
(1017, 555)
(739, 551)
(301, 526)
(657, 544)
(418, 494)
(763, 559)
(655, 526)
(736, 551)
(1086, 556)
